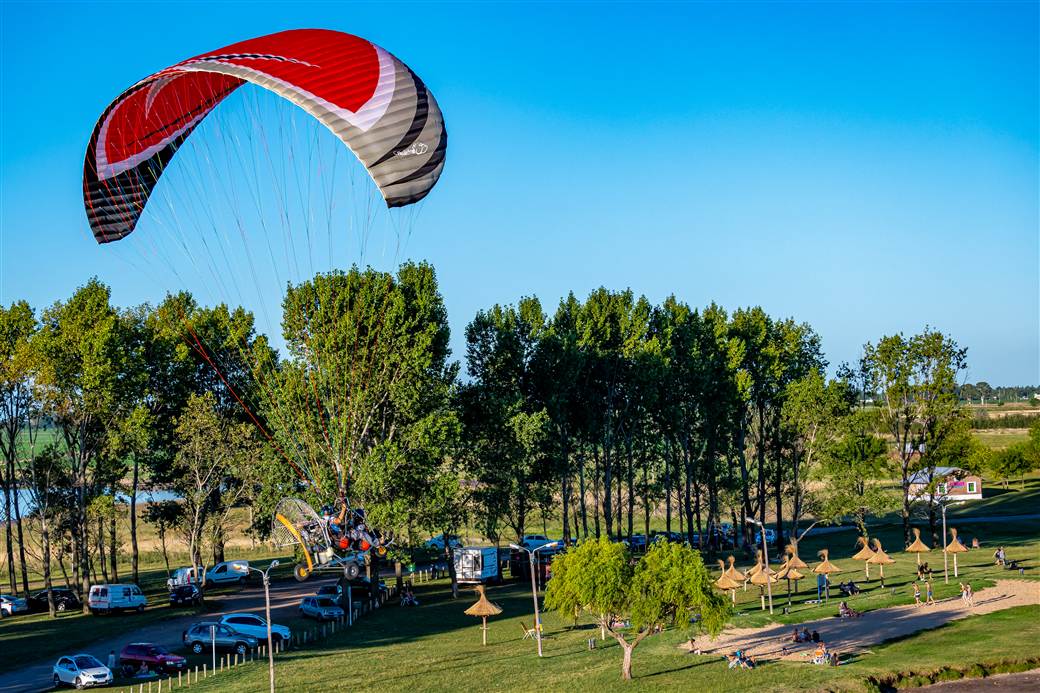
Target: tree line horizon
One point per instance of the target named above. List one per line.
(604, 412)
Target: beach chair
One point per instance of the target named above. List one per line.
(528, 632)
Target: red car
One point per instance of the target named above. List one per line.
(158, 659)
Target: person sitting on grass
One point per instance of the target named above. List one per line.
(846, 611)
(747, 662)
(999, 557)
(734, 660)
(820, 655)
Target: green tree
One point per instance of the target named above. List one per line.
(164, 516)
(211, 450)
(915, 379)
(850, 476)
(83, 357)
(666, 587)
(17, 413)
(506, 428)
(814, 415)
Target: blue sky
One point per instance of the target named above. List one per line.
(868, 168)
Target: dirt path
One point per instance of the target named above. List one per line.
(858, 634)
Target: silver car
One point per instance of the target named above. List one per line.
(202, 636)
(11, 605)
(81, 671)
(321, 608)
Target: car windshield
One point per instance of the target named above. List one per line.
(158, 651)
(87, 662)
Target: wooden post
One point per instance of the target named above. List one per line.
(179, 683)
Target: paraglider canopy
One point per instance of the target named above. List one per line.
(368, 98)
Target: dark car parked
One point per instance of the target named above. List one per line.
(185, 595)
(64, 600)
(200, 637)
(158, 658)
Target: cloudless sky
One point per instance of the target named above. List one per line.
(868, 168)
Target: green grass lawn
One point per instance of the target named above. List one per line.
(437, 648)
(1000, 438)
(1021, 497)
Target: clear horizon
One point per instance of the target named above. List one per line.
(866, 168)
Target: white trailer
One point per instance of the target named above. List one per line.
(477, 564)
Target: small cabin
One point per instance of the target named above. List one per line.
(952, 483)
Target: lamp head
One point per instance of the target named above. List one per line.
(514, 546)
(274, 564)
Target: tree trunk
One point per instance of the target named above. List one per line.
(608, 503)
(21, 539)
(581, 497)
(46, 536)
(165, 553)
(631, 492)
(450, 552)
(113, 549)
(595, 491)
(626, 661)
(101, 547)
(134, 556)
(83, 563)
(8, 534)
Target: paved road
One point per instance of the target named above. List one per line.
(1026, 682)
(285, 599)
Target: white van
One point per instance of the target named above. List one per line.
(475, 564)
(228, 571)
(104, 599)
(184, 576)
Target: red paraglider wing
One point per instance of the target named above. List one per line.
(367, 97)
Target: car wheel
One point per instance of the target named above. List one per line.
(243, 580)
(57, 681)
(196, 647)
(241, 649)
(79, 684)
(140, 609)
(276, 639)
(59, 607)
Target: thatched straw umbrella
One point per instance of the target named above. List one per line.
(483, 608)
(732, 573)
(790, 570)
(753, 570)
(763, 576)
(881, 559)
(864, 554)
(825, 568)
(955, 547)
(918, 546)
(726, 583)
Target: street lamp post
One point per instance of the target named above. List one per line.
(765, 557)
(265, 574)
(532, 557)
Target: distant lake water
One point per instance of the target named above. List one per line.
(25, 499)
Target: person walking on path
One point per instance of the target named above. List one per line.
(112, 660)
(931, 595)
(969, 595)
(917, 594)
